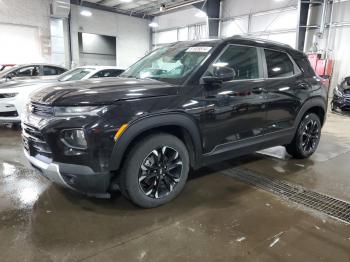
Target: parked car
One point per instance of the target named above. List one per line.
(6, 66)
(14, 94)
(37, 71)
(341, 95)
(183, 106)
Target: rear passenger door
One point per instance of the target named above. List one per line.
(282, 85)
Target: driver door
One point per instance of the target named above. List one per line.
(235, 108)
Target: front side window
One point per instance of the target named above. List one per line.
(75, 74)
(170, 64)
(278, 64)
(241, 61)
(27, 71)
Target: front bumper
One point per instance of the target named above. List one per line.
(75, 177)
(9, 113)
(341, 102)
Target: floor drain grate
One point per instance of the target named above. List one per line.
(333, 207)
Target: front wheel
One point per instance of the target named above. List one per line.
(155, 170)
(307, 137)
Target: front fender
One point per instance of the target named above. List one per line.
(144, 124)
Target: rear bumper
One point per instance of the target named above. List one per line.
(75, 177)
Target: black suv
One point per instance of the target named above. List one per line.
(183, 106)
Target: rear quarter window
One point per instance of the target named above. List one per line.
(278, 64)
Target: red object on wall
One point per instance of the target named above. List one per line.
(313, 60)
(322, 67)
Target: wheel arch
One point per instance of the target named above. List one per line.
(317, 105)
(178, 124)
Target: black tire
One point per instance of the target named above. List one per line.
(333, 107)
(307, 137)
(151, 179)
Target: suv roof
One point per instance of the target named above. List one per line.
(258, 42)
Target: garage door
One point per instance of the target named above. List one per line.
(19, 44)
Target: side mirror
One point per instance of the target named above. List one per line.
(225, 73)
(8, 77)
(221, 74)
(211, 80)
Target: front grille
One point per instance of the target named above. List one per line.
(41, 110)
(34, 142)
(9, 114)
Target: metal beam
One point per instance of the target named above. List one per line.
(302, 24)
(213, 13)
(111, 9)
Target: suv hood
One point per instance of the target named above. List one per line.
(101, 91)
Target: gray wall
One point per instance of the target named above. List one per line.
(29, 13)
(133, 34)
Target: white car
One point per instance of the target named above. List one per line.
(14, 94)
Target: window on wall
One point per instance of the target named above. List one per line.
(238, 26)
(165, 37)
(182, 34)
(278, 64)
(194, 32)
(243, 60)
(197, 32)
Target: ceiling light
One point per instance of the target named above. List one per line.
(201, 13)
(153, 24)
(126, 1)
(85, 13)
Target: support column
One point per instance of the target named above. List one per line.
(303, 8)
(213, 12)
(212, 9)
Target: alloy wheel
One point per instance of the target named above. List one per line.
(160, 172)
(310, 136)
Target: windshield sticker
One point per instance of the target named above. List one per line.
(199, 49)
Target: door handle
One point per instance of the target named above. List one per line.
(258, 90)
(303, 86)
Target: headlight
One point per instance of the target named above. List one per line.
(337, 92)
(8, 95)
(77, 110)
(74, 138)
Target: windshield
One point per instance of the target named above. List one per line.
(7, 69)
(170, 64)
(75, 74)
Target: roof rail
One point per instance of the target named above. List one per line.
(260, 39)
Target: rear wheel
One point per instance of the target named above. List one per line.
(306, 138)
(155, 170)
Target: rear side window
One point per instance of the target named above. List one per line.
(52, 70)
(278, 64)
(243, 60)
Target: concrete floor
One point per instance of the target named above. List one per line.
(216, 218)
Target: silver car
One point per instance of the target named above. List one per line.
(31, 71)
